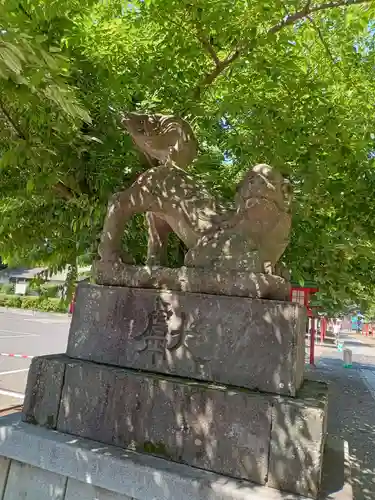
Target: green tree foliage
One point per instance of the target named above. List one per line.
(290, 83)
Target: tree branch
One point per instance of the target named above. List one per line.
(288, 20)
(22, 8)
(324, 42)
(12, 122)
(63, 190)
(209, 48)
(219, 68)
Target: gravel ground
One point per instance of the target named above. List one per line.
(351, 417)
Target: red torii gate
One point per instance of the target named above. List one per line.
(302, 295)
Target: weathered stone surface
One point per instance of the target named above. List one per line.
(43, 390)
(250, 234)
(211, 427)
(83, 491)
(337, 481)
(248, 435)
(27, 482)
(160, 138)
(190, 279)
(138, 476)
(297, 441)
(4, 472)
(257, 344)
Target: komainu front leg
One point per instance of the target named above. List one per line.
(110, 247)
(158, 231)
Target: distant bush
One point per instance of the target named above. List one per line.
(10, 300)
(34, 303)
(30, 302)
(52, 305)
(49, 291)
(7, 288)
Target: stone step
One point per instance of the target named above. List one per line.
(35, 461)
(253, 436)
(252, 343)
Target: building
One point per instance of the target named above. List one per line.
(22, 277)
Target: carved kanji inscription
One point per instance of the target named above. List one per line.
(158, 336)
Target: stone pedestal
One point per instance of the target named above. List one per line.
(250, 343)
(211, 381)
(259, 437)
(41, 464)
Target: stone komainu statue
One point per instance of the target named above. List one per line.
(160, 138)
(251, 234)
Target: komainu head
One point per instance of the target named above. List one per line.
(162, 137)
(265, 183)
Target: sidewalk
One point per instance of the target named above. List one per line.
(368, 340)
(352, 407)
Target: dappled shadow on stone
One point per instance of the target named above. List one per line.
(124, 389)
(239, 433)
(256, 344)
(178, 420)
(138, 476)
(251, 234)
(297, 440)
(230, 282)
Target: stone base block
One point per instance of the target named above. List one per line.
(87, 470)
(45, 383)
(40, 464)
(257, 344)
(297, 439)
(246, 435)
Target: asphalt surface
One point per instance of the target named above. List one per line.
(30, 334)
(351, 407)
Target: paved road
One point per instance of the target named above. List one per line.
(31, 334)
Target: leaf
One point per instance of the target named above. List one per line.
(92, 139)
(16, 50)
(10, 59)
(30, 186)
(3, 73)
(300, 100)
